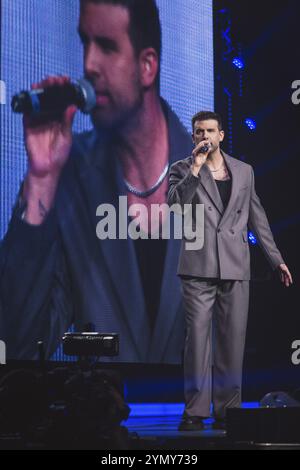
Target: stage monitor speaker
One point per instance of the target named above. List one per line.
(264, 425)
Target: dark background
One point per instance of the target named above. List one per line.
(265, 35)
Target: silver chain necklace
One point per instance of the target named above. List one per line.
(213, 171)
(151, 190)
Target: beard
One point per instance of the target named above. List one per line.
(120, 112)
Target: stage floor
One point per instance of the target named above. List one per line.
(155, 426)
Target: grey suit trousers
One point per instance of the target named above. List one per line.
(223, 304)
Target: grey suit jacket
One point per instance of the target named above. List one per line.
(225, 252)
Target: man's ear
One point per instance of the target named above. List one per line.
(193, 138)
(222, 135)
(148, 66)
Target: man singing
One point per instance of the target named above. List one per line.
(215, 279)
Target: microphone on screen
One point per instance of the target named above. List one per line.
(55, 99)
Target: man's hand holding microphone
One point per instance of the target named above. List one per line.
(48, 144)
(200, 154)
(49, 109)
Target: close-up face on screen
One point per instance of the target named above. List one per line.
(149, 224)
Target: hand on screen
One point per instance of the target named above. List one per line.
(48, 142)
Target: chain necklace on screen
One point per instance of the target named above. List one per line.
(139, 193)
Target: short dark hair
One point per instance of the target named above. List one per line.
(204, 115)
(144, 25)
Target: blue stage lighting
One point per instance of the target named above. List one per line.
(251, 124)
(143, 410)
(238, 63)
(252, 238)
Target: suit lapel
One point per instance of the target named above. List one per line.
(210, 186)
(234, 170)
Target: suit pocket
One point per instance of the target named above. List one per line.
(245, 237)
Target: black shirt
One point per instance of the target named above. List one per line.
(224, 187)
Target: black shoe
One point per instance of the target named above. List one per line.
(191, 423)
(219, 424)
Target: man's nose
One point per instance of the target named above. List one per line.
(92, 60)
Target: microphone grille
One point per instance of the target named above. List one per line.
(89, 95)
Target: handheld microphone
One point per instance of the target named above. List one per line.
(204, 149)
(54, 99)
